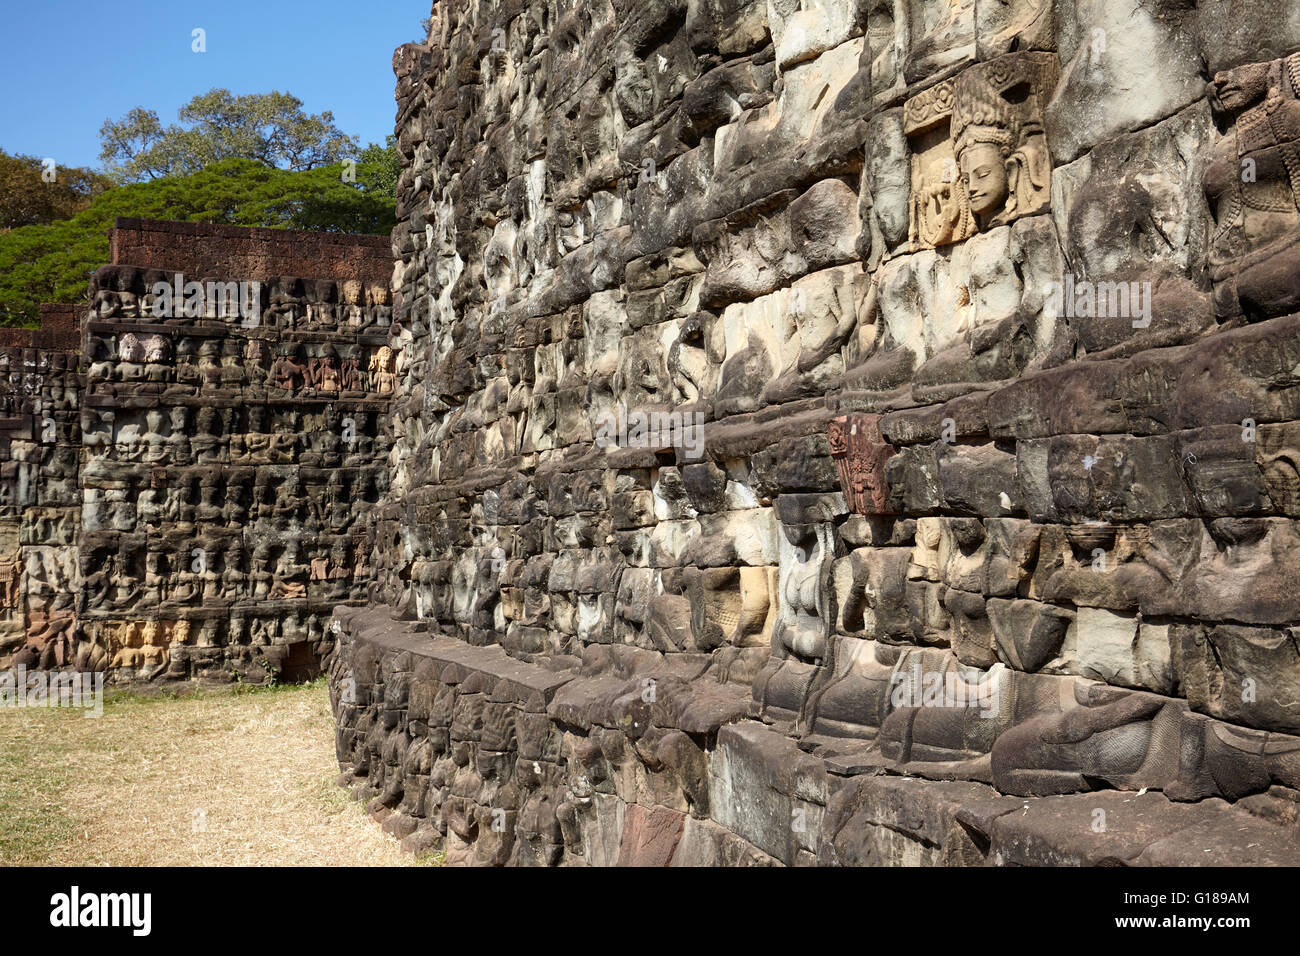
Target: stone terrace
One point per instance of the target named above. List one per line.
(840, 432)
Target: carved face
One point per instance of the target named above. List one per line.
(1234, 90)
(985, 173)
(155, 349)
(130, 349)
(124, 280)
(837, 437)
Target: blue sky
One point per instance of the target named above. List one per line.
(71, 64)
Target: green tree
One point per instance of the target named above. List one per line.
(271, 128)
(378, 168)
(53, 262)
(32, 195)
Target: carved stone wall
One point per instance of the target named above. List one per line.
(189, 461)
(40, 503)
(796, 393)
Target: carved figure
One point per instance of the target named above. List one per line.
(860, 455)
(1252, 182)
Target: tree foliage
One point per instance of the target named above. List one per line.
(378, 168)
(29, 197)
(48, 263)
(271, 128)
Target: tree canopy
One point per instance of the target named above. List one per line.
(33, 194)
(271, 128)
(379, 167)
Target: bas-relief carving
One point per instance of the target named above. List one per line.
(979, 153)
(383, 370)
(802, 627)
(141, 646)
(1038, 735)
(1252, 183)
(219, 476)
(10, 583)
(792, 343)
(860, 455)
(821, 661)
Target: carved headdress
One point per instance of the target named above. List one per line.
(998, 105)
(980, 114)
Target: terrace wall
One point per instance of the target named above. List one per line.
(972, 378)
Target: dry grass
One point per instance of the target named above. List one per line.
(218, 779)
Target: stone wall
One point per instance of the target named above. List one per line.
(40, 437)
(201, 250)
(189, 460)
(231, 454)
(820, 424)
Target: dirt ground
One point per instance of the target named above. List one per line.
(215, 779)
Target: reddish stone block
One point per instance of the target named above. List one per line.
(860, 454)
(650, 835)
